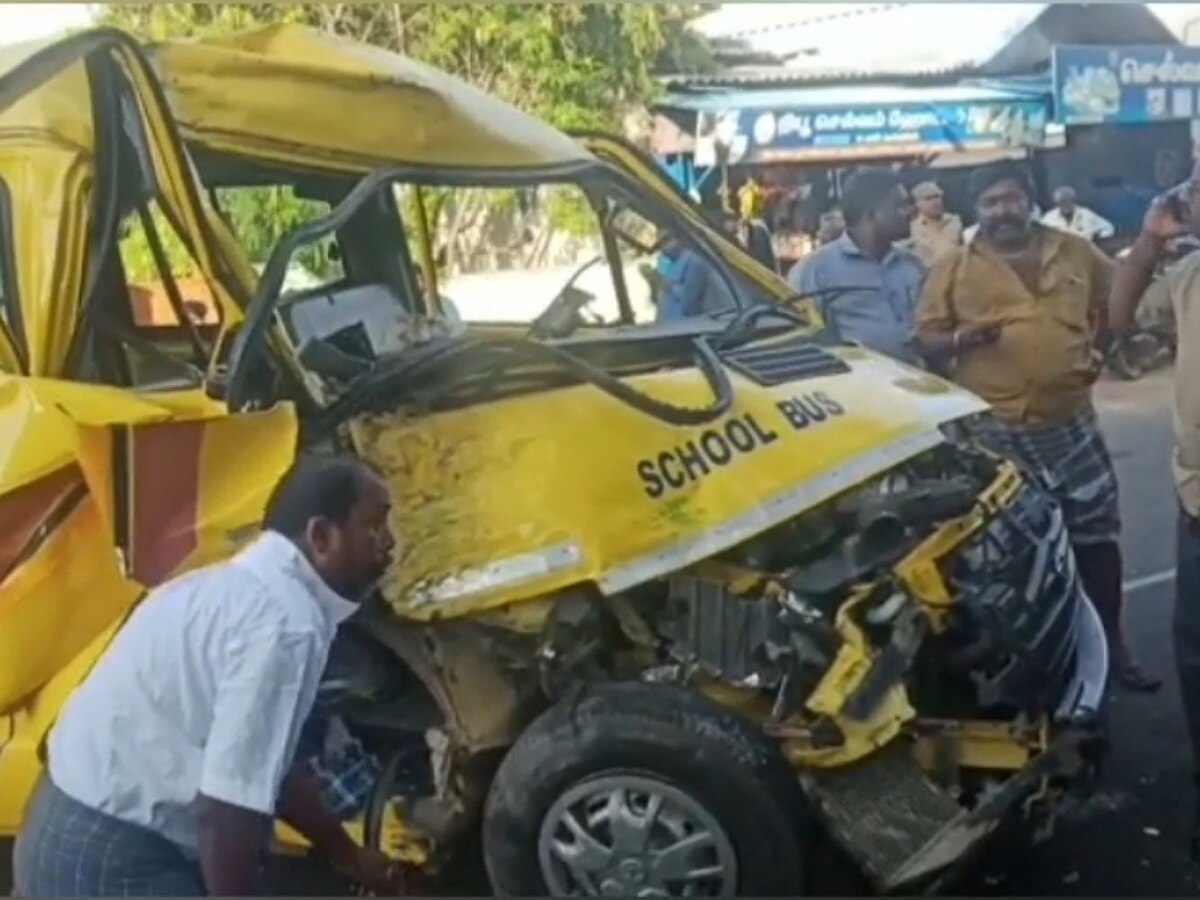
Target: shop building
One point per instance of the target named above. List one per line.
(809, 92)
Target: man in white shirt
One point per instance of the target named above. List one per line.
(170, 761)
(1068, 215)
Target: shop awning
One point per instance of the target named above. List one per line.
(862, 121)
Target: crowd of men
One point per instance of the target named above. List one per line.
(1011, 312)
(684, 286)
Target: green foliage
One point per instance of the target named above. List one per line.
(575, 65)
(260, 216)
(137, 258)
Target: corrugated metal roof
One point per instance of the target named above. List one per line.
(858, 41)
(752, 75)
(844, 97)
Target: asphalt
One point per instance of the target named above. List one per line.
(1129, 838)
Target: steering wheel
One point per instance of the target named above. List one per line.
(562, 316)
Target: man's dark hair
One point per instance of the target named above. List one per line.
(327, 487)
(992, 174)
(864, 190)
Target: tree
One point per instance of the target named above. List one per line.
(574, 65)
(580, 66)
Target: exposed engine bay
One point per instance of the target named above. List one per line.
(820, 607)
(771, 615)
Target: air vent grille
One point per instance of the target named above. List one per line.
(782, 361)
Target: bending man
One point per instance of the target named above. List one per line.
(172, 758)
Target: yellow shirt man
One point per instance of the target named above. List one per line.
(936, 233)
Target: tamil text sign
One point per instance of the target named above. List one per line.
(1126, 84)
(758, 136)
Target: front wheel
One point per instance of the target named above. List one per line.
(640, 790)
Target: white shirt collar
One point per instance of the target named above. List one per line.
(271, 551)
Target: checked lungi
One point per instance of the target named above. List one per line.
(1074, 460)
(67, 849)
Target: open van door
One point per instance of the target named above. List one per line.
(95, 93)
(109, 483)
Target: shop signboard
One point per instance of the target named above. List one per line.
(798, 135)
(1126, 85)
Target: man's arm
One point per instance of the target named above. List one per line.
(1135, 272)
(803, 279)
(265, 690)
(302, 807)
(802, 275)
(232, 840)
(934, 320)
(692, 284)
(938, 337)
(1101, 279)
(956, 229)
(1099, 226)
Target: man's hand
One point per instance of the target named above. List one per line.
(302, 807)
(1135, 272)
(977, 336)
(941, 348)
(1161, 221)
(381, 876)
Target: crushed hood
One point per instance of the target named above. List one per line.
(528, 495)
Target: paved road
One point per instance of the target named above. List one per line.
(1129, 839)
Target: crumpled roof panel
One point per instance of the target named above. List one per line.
(298, 86)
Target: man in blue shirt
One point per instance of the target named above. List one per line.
(691, 286)
(866, 287)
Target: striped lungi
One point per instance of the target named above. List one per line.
(66, 849)
(1073, 459)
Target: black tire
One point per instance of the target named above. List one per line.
(672, 736)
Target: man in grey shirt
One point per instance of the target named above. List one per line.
(865, 286)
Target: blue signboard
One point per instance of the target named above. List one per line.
(776, 135)
(1126, 84)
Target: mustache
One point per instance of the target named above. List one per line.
(1005, 221)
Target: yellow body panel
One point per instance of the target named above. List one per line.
(247, 88)
(517, 498)
(61, 601)
(23, 731)
(47, 164)
(42, 597)
(47, 187)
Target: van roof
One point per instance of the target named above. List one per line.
(282, 86)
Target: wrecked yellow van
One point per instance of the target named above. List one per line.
(671, 600)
